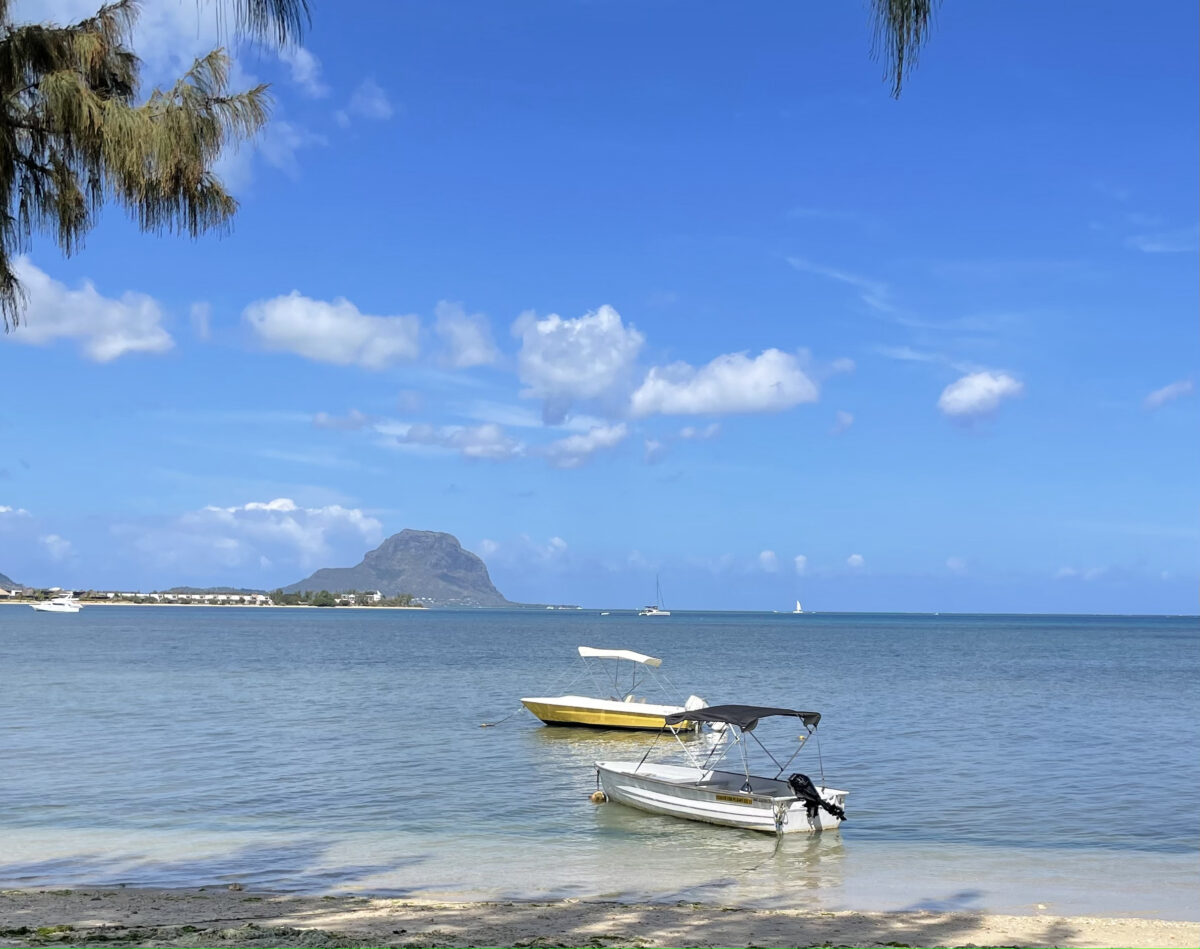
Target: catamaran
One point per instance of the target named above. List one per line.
(701, 791)
(656, 608)
(623, 708)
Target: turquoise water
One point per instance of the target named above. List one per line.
(1001, 763)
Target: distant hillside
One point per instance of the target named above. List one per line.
(7, 583)
(432, 566)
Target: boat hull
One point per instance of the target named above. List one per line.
(602, 713)
(714, 797)
(54, 608)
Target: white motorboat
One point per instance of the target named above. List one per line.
(623, 708)
(701, 791)
(66, 603)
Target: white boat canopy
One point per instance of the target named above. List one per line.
(588, 651)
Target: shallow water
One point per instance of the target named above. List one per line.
(994, 762)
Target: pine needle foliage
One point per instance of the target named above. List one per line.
(74, 133)
(901, 28)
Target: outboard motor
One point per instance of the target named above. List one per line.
(804, 789)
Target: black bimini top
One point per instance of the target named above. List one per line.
(744, 717)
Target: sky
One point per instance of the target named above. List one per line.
(618, 292)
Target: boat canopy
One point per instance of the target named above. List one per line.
(619, 654)
(744, 717)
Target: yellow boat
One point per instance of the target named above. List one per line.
(623, 708)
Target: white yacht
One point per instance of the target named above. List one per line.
(63, 603)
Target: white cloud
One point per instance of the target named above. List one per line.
(306, 70)
(486, 442)
(369, 101)
(485, 548)
(574, 450)
(855, 561)
(13, 511)
(105, 328)
(655, 451)
(690, 432)
(354, 420)
(842, 421)
(1168, 393)
(279, 530)
(801, 563)
(467, 336)
(333, 332)
(768, 561)
(977, 393)
(57, 547)
(956, 565)
(842, 364)
(730, 384)
(563, 361)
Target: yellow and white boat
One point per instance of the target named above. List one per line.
(623, 708)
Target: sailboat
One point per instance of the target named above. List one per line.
(799, 608)
(655, 609)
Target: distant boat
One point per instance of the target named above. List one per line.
(799, 608)
(655, 609)
(66, 603)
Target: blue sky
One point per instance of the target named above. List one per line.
(618, 290)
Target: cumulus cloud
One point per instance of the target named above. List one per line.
(801, 563)
(305, 69)
(1168, 393)
(467, 337)
(575, 450)
(6, 511)
(369, 101)
(768, 561)
(978, 393)
(855, 561)
(104, 328)
(691, 432)
(487, 442)
(333, 332)
(730, 384)
(842, 421)
(564, 361)
(277, 531)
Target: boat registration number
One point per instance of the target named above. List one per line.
(734, 799)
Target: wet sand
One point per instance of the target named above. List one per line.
(222, 917)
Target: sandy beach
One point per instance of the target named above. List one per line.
(223, 917)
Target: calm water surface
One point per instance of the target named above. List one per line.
(994, 762)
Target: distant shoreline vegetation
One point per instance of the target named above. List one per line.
(190, 596)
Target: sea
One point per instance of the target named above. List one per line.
(1005, 764)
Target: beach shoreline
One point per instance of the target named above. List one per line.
(220, 916)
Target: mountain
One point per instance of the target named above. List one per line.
(8, 584)
(432, 566)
